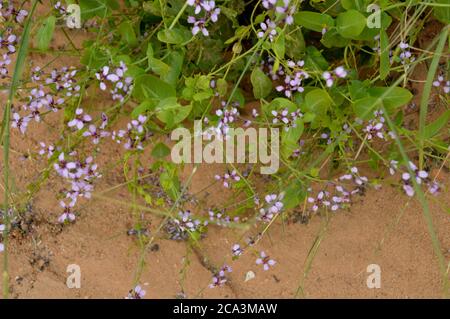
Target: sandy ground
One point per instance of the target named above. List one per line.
(383, 228)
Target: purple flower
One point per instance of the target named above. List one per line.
(63, 167)
(228, 177)
(330, 78)
(67, 215)
(20, 123)
(219, 279)
(80, 119)
(393, 166)
(440, 81)
(95, 133)
(49, 150)
(105, 75)
(237, 250)
(136, 293)
(8, 41)
(265, 261)
(268, 27)
(272, 206)
(199, 25)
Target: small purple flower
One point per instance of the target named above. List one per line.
(63, 167)
(393, 166)
(219, 279)
(199, 25)
(8, 41)
(49, 150)
(237, 250)
(20, 123)
(329, 78)
(95, 133)
(80, 119)
(105, 75)
(67, 215)
(268, 27)
(136, 293)
(440, 81)
(265, 261)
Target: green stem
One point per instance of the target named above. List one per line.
(178, 16)
(21, 55)
(426, 93)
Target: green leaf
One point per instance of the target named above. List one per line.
(350, 24)
(295, 193)
(45, 33)
(145, 106)
(262, 85)
(313, 20)
(175, 61)
(442, 13)
(158, 66)
(174, 36)
(360, 5)
(433, 128)
(100, 8)
(364, 107)
(317, 101)
(171, 112)
(295, 44)
(94, 58)
(160, 150)
(315, 60)
(333, 39)
(278, 46)
(289, 138)
(127, 33)
(384, 56)
(394, 98)
(150, 87)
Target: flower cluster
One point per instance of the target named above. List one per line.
(96, 133)
(227, 115)
(219, 279)
(273, 205)
(180, 227)
(285, 117)
(204, 11)
(279, 12)
(293, 78)
(440, 81)
(63, 80)
(375, 127)
(120, 84)
(81, 176)
(220, 218)
(405, 56)
(331, 77)
(421, 177)
(360, 181)
(228, 178)
(49, 95)
(134, 135)
(267, 66)
(9, 13)
(324, 199)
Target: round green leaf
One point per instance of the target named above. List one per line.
(350, 24)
